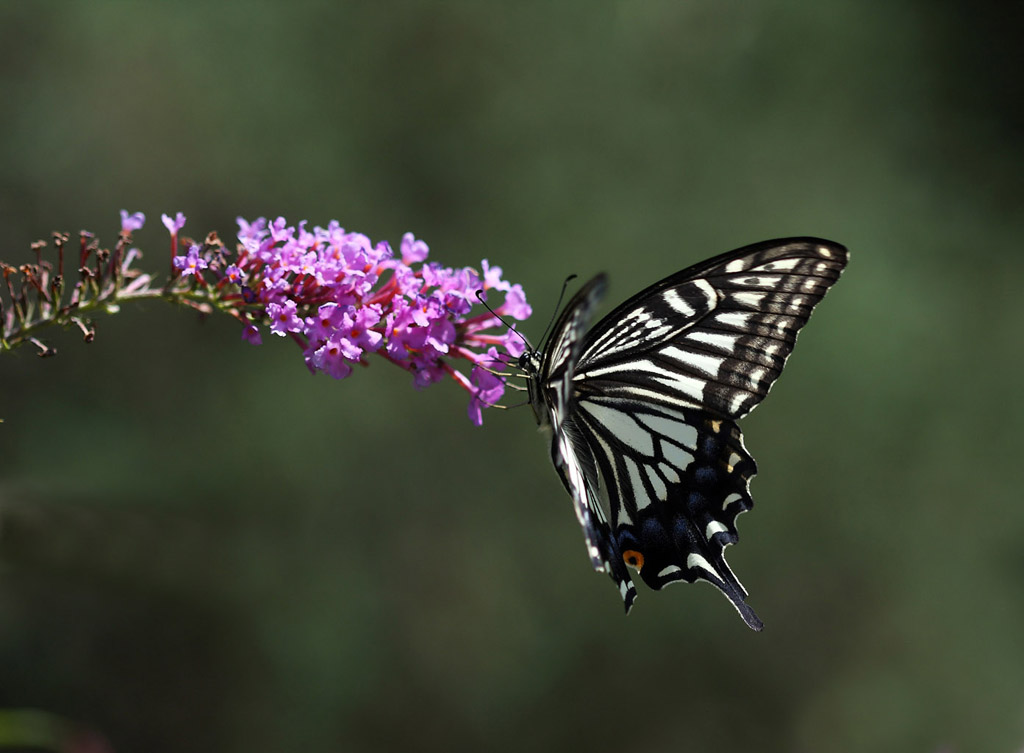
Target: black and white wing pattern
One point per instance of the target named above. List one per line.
(642, 408)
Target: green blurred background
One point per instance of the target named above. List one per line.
(202, 547)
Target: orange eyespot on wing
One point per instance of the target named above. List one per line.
(633, 558)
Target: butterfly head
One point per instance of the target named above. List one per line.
(530, 364)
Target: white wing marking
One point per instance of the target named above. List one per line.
(684, 383)
(750, 300)
(696, 560)
(622, 426)
(675, 455)
(678, 431)
(713, 527)
(737, 402)
(639, 492)
(673, 299)
(710, 365)
(760, 281)
(715, 339)
(584, 503)
(669, 472)
(737, 319)
(660, 490)
(779, 264)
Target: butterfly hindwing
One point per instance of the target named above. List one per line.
(570, 453)
(577, 468)
(642, 407)
(676, 481)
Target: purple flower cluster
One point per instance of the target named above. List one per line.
(342, 297)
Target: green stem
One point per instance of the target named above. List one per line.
(110, 303)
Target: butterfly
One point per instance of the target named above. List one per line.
(642, 408)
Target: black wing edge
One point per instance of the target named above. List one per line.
(701, 268)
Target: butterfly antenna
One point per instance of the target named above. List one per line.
(520, 335)
(558, 307)
(514, 405)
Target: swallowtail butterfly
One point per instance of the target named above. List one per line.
(642, 407)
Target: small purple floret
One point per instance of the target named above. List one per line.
(283, 318)
(173, 225)
(489, 390)
(191, 263)
(132, 222)
(413, 251)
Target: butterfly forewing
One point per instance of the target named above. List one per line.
(714, 336)
(642, 406)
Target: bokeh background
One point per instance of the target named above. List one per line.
(202, 547)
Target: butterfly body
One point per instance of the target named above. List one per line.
(642, 407)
